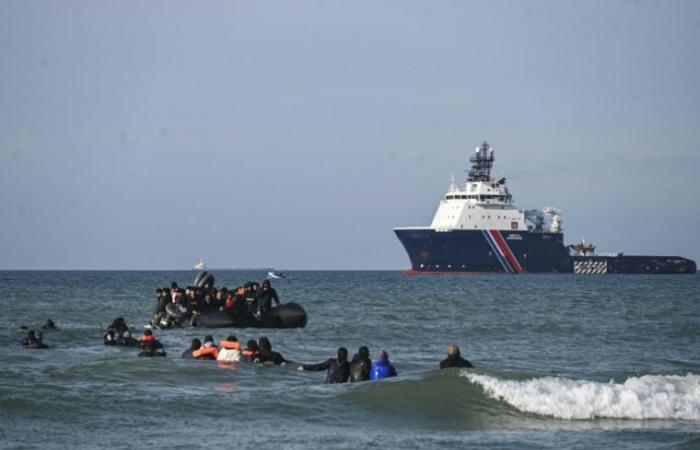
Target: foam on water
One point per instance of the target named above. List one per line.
(645, 397)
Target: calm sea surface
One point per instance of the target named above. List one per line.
(561, 361)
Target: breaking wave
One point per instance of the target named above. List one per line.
(645, 397)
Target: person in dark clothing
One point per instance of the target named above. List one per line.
(118, 325)
(151, 349)
(360, 365)
(263, 300)
(266, 354)
(30, 339)
(40, 341)
(149, 340)
(125, 340)
(49, 325)
(250, 353)
(338, 368)
(109, 337)
(454, 359)
(196, 345)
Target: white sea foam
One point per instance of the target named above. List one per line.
(645, 397)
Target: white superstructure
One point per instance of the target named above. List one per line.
(485, 204)
(482, 203)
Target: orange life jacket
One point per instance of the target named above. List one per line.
(249, 353)
(206, 351)
(150, 338)
(231, 345)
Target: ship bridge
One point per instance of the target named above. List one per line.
(481, 203)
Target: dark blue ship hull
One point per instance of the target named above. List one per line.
(505, 251)
(485, 251)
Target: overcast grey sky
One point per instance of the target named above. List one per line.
(297, 134)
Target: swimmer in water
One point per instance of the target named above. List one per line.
(454, 359)
(382, 368)
(338, 368)
(360, 365)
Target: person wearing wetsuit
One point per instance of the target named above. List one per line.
(263, 300)
(49, 325)
(267, 355)
(360, 365)
(196, 345)
(338, 368)
(454, 359)
(382, 368)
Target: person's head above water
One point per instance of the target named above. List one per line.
(252, 345)
(232, 338)
(342, 354)
(363, 351)
(49, 325)
(383, 355)
(453, 351)
(266, 284)
(196, 344)
(208, 340)
(264, 344)
(148, 333)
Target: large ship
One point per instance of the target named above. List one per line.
(477, 228)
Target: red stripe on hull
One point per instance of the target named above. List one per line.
(498, 237)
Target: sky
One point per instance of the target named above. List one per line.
(297, 134)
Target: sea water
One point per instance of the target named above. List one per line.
(561, 361)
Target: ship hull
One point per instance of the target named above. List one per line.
(484, 251)
(505, 251)
(633, 264)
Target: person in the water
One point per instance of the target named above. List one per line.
(34, 340)
(250, 353)
(230, 350)
(338, 368)
(125, 340)
(196, 345)
(382, 368)
(264, 298)
(208, 350)
(119, 325)
(360, 365)
(109, 337)
(151, 349)
(454, 359)
(148, 339)
(49, 325)
(267, 355)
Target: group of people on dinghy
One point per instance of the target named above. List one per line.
(202, 304)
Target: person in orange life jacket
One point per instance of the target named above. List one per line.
(149, 340)
(208, 350)
(196, 345)
(338, 368)
(264, 298)
(250, 353)
(230, 350)
(267, 355)
(382, 368)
